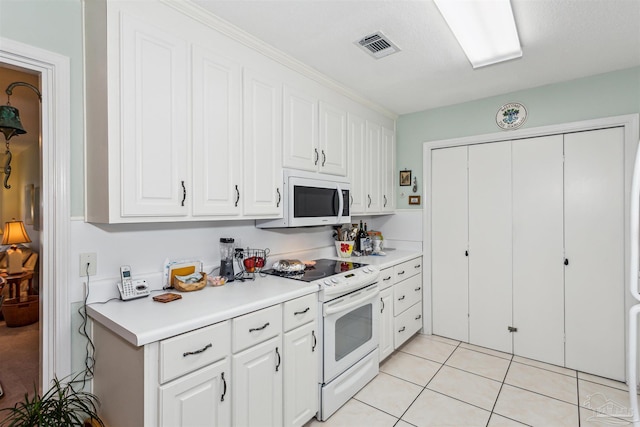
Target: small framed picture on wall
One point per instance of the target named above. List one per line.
(414, 200)
(405, 178)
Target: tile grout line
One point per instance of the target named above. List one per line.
(428, 382)
(511, 361)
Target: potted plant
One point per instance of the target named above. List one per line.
(61, 405)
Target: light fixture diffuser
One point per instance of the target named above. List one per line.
(485, 29)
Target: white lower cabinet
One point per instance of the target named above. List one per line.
(301, 355)
(239, 372)
(257, 391)
(198, 399)
(400, 305)
(385, 341)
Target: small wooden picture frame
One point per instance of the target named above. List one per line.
(414, 200)
(405, 178)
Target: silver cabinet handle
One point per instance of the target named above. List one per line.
(202, 350)
(279, 197)
(279, 360)
(402, 329)
(382, 301)
(419, 316)
(315, 341)
(385, 200)
(324, 158)
(369, 197)
(260, 328)
(401, 298)
(184, 193)
(237, 196)
(386, 278)
(417, 266)
(417, 289)
(317, 156)
(401, 273)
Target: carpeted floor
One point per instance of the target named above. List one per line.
(18, 362)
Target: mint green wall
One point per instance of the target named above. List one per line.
(603, 95)
(55, 25)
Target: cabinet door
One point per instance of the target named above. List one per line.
(301, 368)
(217, 121)
(198, 399)
(594, 248)
(333, 140)
(388, 170)
(449, 231)
(154, 121)
(257, 385)
(538, 247)
(357, 138)
(261, 194)
(373, 151)
(490, 291)
(300, 133)
(386, 324)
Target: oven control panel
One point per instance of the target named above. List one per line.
(349, 281)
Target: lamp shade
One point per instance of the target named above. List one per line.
(14, 233)
(10, 123)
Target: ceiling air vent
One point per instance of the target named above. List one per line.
(378, 45)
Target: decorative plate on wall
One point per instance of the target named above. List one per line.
(511, 116)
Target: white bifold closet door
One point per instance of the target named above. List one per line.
(490, 292)
(538, 246)
(594, 248)
(449, 237)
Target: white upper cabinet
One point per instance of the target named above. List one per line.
(388, 167)
(357, 138)
(300, 131)
(333, 140)
(262, 192)
(315, 134)
(372, 158)
(188, 123)
(217, 129)
(153, 117)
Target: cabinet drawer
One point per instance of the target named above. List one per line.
(387, 278)
(408, 269)
(299, 311)
(193, 350)
(256, 327)
(407, 324)
(407, 293)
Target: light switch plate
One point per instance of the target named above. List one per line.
(92, 260)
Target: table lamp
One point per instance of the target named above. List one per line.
(14, 233)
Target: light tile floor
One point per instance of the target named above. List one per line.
(435, 381)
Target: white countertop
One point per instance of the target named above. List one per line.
(143, 321)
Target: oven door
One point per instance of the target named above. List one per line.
(350, 330)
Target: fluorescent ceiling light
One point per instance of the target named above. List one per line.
(485, 29)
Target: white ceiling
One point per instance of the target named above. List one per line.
(561, 40)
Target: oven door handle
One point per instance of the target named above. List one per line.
(368, 294)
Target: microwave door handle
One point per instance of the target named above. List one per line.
(340, 202)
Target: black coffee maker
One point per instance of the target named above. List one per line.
(227, 249)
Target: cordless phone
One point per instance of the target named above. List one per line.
(130, 289)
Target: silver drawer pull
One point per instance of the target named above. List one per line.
(202, 350)
(402, 329)
(417, 289)
(302, 312)
(419, 316)
(401, 298)
(260, 328)
(387, 278)
(416, 266)
(400, 272)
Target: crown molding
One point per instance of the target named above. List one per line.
(215, 22)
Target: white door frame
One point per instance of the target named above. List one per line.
(55, 312)
(630, 123)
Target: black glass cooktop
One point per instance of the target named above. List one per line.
(323, 268)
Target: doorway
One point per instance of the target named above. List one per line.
(20, 372)
(53, 265)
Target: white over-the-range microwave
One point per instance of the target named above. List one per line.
(311, 199)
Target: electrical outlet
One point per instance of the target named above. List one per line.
(92, 260)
